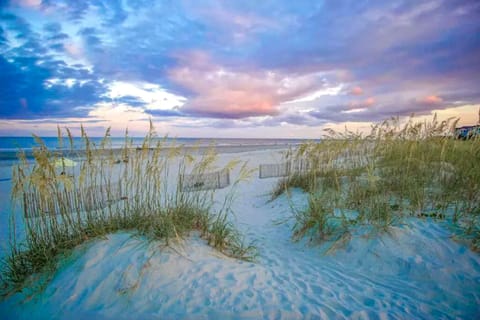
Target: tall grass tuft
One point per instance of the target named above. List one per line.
(400, 169)
(109, 190)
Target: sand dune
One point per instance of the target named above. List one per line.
(415, 271)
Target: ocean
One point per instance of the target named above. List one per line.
(10, 146)
(13, 144)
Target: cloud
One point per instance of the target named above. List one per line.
(376, 109)
(28, 3)
(73, 49)
(356, 91)
(233, 23)
(26, 92)
(165, 113)
(52, 27)
(3, 38)
(91, 37)
(255, 64)
(116, 112)
(294, 118)
(430, 42)
(431, 100)
(17, 26)
(114, 12)
(326, 91)
(148, 95)
(229, 93)
(360, 104)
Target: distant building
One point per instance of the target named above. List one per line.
(467, 132)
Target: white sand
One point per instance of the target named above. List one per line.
(416, 272)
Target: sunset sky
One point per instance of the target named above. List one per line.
(267, 69)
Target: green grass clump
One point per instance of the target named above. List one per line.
(317, 220)
(141, 190)
(398, 170)
(295, 180)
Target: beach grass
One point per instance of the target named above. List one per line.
(398, 170)
(136, 189)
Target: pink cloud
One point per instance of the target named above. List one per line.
(363, 104)
(431, 100)
(28, 3)
(356, 91)
(223, 92)
(370, 102)
(73, 50)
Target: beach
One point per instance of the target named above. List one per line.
(416, 270)
(239, 160)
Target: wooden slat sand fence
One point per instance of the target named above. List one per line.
(74, 200)
(206, 181)
(284, 169)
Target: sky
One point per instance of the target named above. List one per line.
(246, 69)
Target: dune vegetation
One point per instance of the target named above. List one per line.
(134, 189)
(358, 183)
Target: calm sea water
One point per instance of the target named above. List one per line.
(13, 144)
